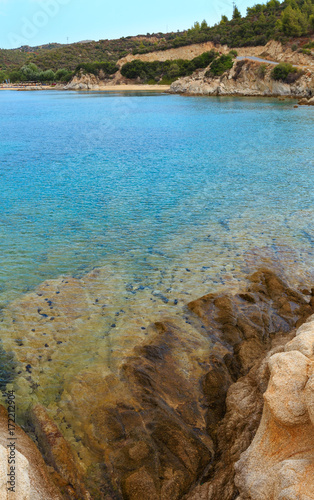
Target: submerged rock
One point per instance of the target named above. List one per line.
(156, 425)
(182, 405)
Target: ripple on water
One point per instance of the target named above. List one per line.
(169, 198)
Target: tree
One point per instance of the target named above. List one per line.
(293, 22)
(224, 19)
(3, 76)
(236, 13)
(47, 76)
(30, 72)
(204, 25)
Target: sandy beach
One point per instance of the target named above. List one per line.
(134, 88)
(105, 88)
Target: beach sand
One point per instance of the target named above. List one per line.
(106, 88)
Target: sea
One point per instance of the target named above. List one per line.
(173, 196)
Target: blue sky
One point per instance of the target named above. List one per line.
(36, 22)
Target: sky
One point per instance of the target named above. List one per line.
(37, 22)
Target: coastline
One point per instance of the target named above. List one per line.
(104, 88)
(161, 89)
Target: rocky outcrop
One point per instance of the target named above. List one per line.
(152, 430)
(58, 454)
(247, 78)
(181, 406)
(265, 441)
(280, 461)
(251, 84)
(32, 479)
(306, 102)
(85, 81)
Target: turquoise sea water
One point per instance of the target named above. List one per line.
(91, 179)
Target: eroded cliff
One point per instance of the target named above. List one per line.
(246, 78)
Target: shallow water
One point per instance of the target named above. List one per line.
(174, 197)
(88, 179)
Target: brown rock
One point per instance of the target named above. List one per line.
(140, 485)
(57, 453)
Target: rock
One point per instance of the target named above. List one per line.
(33, 478)
(57, 453)
(163, 421)
(245, 79)
(181, 406)
(150, 424)
(306, 102)
(283, 379)
(280, 461)
(140, 485)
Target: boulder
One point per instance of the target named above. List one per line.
(280, 461)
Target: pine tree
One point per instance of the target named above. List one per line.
(236, 13)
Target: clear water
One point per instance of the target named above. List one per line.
(92, 179)
(171, 197)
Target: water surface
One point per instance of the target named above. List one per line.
(172, 197)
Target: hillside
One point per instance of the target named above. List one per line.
(290, 22)
(55, 56)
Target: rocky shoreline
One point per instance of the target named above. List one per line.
(189, 411)
(250, 75)
(245, 78)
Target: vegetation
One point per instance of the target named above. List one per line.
(283, 21)
(263, 22)
(220, 65)
(309, 45)
(31, 73)
(166, 71)
(261, 72)
(104, 69)
(286, 72)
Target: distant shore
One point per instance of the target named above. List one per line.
(105, 88)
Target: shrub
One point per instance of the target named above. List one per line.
(294, 47)
(220, 65)
(166, 71)
(63, 75)
(3, 76)
(261, 71)
(238, 69)
(285, 72)
(108, 68)
(46, 76)
(309, 45)
(233, 53)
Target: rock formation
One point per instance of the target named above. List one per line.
(280, 461)
(182, 406)
(246, 82)
(265, 441)
(247, 78)
(306, 102)
(32, 479)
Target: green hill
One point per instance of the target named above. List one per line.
(283, 21)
